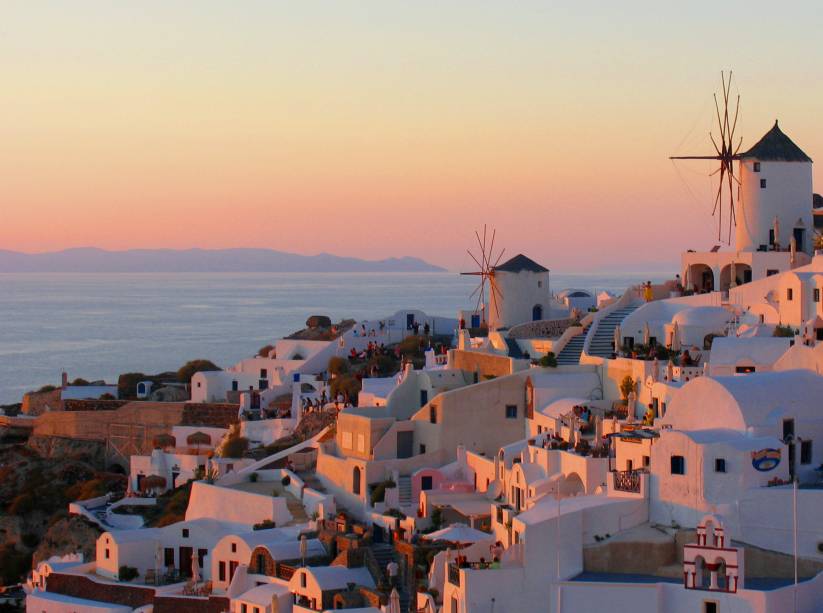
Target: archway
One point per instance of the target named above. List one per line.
(742, 274)
(356, 478)
(572, 485)
(701, 575)
(701, 278)
(537, 312)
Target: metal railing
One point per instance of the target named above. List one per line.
(627, 481)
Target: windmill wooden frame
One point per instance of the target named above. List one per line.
(486, 263)
(726, 152)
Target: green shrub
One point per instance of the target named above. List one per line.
(338, 365)
(127, 573)
(254, 477)
(191, 367)
(46, 388)
(549, 360)
(286, 480)
(79, 382)
(784, 331)
(347, 385)
(235, 447)
(266, 524)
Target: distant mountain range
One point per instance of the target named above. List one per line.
(200, 260)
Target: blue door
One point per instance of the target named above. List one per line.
(475, 321)
(537, 313)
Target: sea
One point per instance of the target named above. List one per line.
(96, 326)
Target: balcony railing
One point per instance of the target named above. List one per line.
(627, 481)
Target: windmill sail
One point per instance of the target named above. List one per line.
(726, 152)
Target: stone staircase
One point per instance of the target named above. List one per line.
(570, 354)
(602, 342)
(404, 487)
(297, 510)
(383, 554)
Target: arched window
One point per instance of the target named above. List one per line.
(355, 487)
(537, 312)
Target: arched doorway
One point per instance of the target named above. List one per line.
(742, 274)
(355, 481)
(701, 278)
(537, 312)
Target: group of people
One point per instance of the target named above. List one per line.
(370, 332)
(371, 350)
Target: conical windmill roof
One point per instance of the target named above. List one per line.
(775, 146)
(518, 263)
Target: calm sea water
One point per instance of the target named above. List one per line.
(96, 326)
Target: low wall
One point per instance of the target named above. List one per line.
(231, 505)
(545, 328)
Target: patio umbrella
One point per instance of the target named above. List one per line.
(158, 561)
(195, 568)
(670, 371)
(304, 546)
(459, 534)
(161, 441)
(647, 333)
(618, 338)
(776, 231)
(676, 337)
(394, 601)
(792, 249)
(198, 438)
(655, 370)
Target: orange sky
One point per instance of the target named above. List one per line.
(380, 129)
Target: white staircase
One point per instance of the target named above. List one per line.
(570, 354)
(405, 490)
(602, 341)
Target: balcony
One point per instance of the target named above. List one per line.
(626, 481)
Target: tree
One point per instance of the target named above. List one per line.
(265, 350)
(626, 386)
(191, 367)
(338, 366)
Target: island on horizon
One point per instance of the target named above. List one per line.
(96, 260)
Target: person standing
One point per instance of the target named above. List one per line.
(392, 570)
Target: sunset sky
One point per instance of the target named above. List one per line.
(384, 128)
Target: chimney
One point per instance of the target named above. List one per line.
(64, 379)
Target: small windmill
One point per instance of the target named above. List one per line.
(486, 263)
(726, 152)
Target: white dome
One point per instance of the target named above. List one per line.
(704, 316)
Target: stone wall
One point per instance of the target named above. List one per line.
(37, 403)
(546, 328)
(93, 405)
(215, 415)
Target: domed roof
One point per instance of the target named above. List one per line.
(706, 316)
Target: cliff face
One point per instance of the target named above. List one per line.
(68, 535)
(54, 447)
(38, 479)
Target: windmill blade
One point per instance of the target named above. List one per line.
(474, 258)
(499, 257)
(497, 297)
